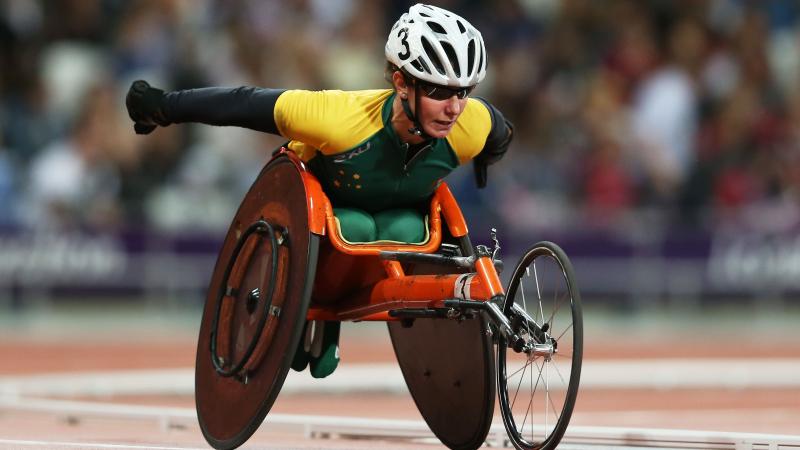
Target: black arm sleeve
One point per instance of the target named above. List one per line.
(247, 107)
(499, 138)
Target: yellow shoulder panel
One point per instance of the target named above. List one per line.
(470, 131)
(331, 121)
(303, 151)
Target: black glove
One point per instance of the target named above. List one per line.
(481, 173)
(145, 107)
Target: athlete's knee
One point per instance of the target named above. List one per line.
(404, 225)
(356, 225)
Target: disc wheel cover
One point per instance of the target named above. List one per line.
(230, 407)
(449, 369)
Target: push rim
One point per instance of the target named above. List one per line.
(231, 404)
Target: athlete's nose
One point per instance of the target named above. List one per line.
(453, 107)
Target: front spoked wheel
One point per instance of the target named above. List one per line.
(539, 367)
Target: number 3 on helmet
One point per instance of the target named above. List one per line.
(437, 46)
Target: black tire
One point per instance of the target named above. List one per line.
(537, 390)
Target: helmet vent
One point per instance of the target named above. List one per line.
(432, 55)
(481, 51)
(451, 55)
(461, 27)
(470, 55)
(420, 65)
(423, 14)
(436, 27)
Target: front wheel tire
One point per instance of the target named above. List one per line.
(538, 374)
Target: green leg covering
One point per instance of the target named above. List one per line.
(404, 225)
(357, 225)
(328, 359)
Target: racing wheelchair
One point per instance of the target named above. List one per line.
(460, 338)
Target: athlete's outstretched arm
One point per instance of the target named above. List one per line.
(247, 107)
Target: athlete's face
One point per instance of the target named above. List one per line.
(437, 117)
(439, 107)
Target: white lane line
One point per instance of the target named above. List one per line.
(317, 426)
(85, 445)
(96, 408)
(684, 439)
(649, 415)
(675, 373)
(692, 373)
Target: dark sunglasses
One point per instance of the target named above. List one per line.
(437, 92)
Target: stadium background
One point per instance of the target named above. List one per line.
(657, 141)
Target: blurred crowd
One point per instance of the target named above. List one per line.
(675, 113)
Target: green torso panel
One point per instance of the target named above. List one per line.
(348, 141)
(374, 174)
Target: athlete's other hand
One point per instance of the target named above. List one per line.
(493, 151)
(144, 105)
(481, 170)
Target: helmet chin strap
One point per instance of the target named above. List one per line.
(416, 129)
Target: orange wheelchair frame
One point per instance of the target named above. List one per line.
(266, 287)
(398, 290)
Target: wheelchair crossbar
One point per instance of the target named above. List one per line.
(467, 262)
(464, 262)
(492, 310)
(418, 313)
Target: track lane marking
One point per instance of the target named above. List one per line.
(86, 445)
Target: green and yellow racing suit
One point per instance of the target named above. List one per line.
(378, 185)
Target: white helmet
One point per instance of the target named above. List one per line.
(437, 46)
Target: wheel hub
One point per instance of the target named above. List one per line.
(252, 300)
(545, 350)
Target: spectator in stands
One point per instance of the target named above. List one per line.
(678, 77)
(74, 181)
(8, 196)
(664, 113)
